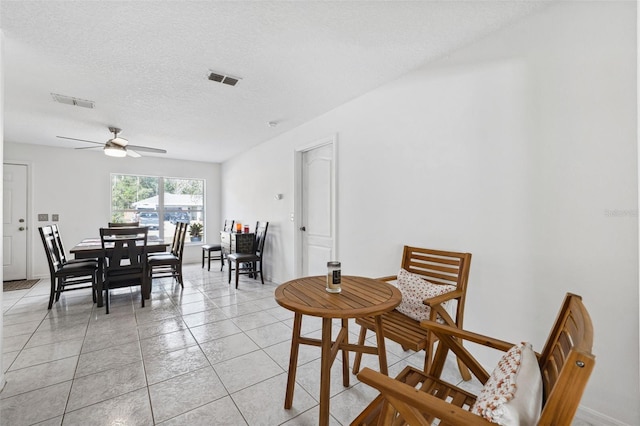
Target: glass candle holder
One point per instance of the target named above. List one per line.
(333, 277)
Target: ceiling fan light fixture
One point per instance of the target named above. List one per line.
(114, 150)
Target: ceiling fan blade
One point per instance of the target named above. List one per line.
(133, 154)
(121, 142)
(81, 140)
(88, 147)
(147, 149)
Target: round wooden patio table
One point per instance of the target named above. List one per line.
(360, 297)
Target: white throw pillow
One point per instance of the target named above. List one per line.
(513, 394)
(415, 289)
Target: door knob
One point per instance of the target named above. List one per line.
(21, 228)
(302, 228)
(21, 220)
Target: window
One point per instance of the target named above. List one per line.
(157, 202)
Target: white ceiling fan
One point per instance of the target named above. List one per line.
(118, 147)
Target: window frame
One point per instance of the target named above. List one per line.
(161, 208)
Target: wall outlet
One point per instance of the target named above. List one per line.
(54, 217)
(43, 217)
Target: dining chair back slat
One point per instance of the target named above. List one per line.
(62, 256)
(228, 225)
(123, 224)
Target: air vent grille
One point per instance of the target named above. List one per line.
(224, 79)
(216, 77)
(230, 81)
(68, 100)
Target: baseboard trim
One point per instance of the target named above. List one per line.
(40, 277)
(592, 417)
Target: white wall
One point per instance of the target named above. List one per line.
(521, 149)
(2, 382)
(76, 185)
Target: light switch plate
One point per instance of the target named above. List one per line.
(54, 217)
(43, 217)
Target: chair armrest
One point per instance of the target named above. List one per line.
(422, 402)
(437, 300)
(451, 339)
(389, 278)
(445, 331)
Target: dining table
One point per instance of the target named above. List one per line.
(91, 248)
(359, 297)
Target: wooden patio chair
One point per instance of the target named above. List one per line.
(436, 267)
(550, 383)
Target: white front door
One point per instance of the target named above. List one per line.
(318, 209)
(15, 222)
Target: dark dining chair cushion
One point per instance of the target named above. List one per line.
(79, 267)
(163, 259)
(243, 257)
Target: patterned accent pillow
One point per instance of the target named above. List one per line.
(513, 393)
(415, 289)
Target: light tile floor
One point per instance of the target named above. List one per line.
(207, 354)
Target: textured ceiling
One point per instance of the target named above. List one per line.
(145, 64)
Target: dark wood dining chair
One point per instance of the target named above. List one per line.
(174, 241)
(169, 264)
(207, 249)
(62, 256)
(124, 251)
(250, 263)
(67, 276)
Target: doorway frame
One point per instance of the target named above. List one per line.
(299, 150)
(28, 219)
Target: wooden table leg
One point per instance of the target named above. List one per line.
(358, 356)
(325, 372)
(293, 360)
(345, 354)
(382, 351)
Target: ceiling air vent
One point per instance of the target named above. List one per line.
(68, 100)
(224, 79)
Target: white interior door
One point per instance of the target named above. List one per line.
(317, 218)
(15, 222)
